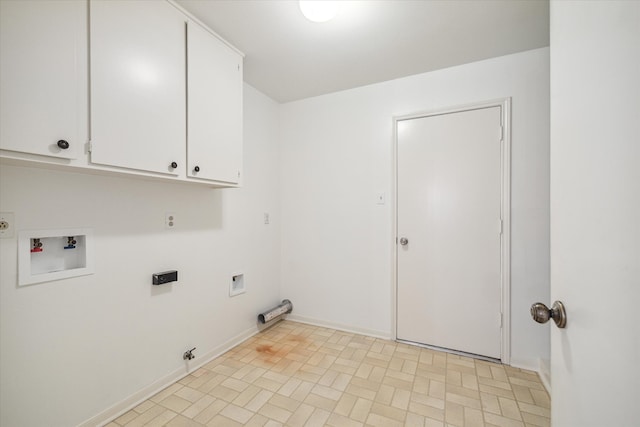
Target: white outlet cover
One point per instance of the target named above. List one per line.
(10, 219)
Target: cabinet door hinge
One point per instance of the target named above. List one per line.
(501, 133)
(500, 320)
(89, 146)
(500, 226)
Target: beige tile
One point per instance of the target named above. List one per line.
(284, 402)
(224, 393)
(523, 394)
(437, 389)
(317, 418)
(361, 409)
(222, 421)
(427, 411)
(144, 406)
(501, 421)
(258, 421)
(235, 384)
(361, 392)
(341, 382)
(237, 413)
(541, 398)
(321, 402)
(199, 406)
(533, 409)
(210, 411)
(385, 394)
(414, 420)
(425, 399)
(345, 404)
(535, 420)
(401, 399)
(388, 411)
(490, 403)
(246, 396)
(509, 408)
(258, 400)
(527, 383)
(146, 417)
(300, 416)
(337, 420)
(189, 394)
(463, 400)
(327, 377)
(327, 392)
(496, 391)
(302, 391)
(162, 419)
(175, 403)
(378, 420)
(429, 422)
(129, 416)
(166, 392)
(454, 414)
(181, 421)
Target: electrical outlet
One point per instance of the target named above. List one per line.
(169, 220)
(7, 225)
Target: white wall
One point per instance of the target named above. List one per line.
(72, 348)
(336, 154)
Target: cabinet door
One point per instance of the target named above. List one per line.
(215, 107)
(138, 110)
(41, 93)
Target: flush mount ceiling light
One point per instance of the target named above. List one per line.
(318, 10)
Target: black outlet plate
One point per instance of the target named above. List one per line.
(165, 277)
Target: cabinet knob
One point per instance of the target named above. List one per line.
(196, 169)
(63, 144)
(173, 165)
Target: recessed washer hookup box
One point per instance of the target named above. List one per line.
(165, 277)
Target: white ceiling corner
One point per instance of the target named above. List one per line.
(290, 58)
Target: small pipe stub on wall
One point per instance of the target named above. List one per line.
(279, 310)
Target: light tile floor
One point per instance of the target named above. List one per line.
(299, 375)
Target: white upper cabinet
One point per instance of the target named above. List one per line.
(41, 86)
(214, 99)
(138, 85)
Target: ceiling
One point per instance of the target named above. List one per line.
(290, 58)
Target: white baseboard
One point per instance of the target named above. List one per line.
(338, 326)
(529, 365)
(541, 367)
(140, 396)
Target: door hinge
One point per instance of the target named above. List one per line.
(89, 146)
(500, 320)
(501, 133)
(500, 226)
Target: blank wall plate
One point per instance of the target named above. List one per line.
(7, 225)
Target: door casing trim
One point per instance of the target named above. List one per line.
(505, 212)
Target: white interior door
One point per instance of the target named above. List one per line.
(595, 213)
(449, 210)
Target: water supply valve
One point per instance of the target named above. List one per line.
(36, 245)
(188, 355)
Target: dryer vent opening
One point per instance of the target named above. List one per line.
(275, 312)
